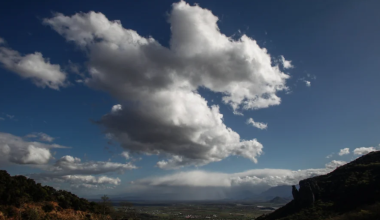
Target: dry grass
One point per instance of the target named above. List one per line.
(57, 214)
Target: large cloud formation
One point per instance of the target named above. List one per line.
(212, 185)
(161, 111)
(16, 150)
(33, 66)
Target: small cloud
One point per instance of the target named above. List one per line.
(364, 150)
(344, 151)
(258, 125)
(125, 154)
(307, 79)
(287, 64)
(2, 41)
(329, 156)
(79, 81)
(307, 82)
(34, 67)
(235, 112)
(2, 119)
(335, 164)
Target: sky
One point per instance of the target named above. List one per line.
(186, 100)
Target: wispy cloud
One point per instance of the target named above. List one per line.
(287, 64)
(258, 125)
(40, 136)
(9, 116)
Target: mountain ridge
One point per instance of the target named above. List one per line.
(349, 187)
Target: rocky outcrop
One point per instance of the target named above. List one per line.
(307, 194)
(295, 192)
(346, 190)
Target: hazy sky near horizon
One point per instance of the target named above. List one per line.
(186, 100)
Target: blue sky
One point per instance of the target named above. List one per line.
(331, 45)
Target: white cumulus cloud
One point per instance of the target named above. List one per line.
(364, 150)
(88, 179)
(344, 151)
(335, 163)
(33, 66)
(16, 150)
(165, 114)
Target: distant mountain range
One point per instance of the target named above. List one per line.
(283, 191)
(279, 200)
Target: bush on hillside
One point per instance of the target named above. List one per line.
(48, 207)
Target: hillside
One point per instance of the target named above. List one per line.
(351, 191)
(23, 198)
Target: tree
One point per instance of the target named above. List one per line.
(106, 204)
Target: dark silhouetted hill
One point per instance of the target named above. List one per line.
(350, 192)
(23, 198)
